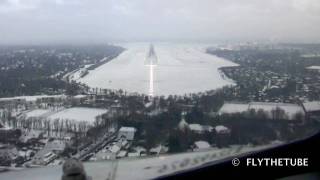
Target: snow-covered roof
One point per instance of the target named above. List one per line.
(159, 149)
(139, 149)
(156, 149)
(221, 129)
(122, 154)
(312, 106)
(195, 127)
(79, 96)
(202, 145)
(182, 124)
(114, 149)
(134, 154)
(128, 129)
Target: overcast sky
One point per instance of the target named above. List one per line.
(55, 21)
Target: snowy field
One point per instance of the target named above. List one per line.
(32, 98)
(290, 110)
(314, 67)
(37, 113)
(78, 114)
(182, 68)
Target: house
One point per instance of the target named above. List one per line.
(133, 154)
(137, 151)
(197, 128)
(158, 150)
(200, 129)
(105, 155)
(127, 132)
(201, 145)
(312, 109)
(222, 129)
(115, 149)
(121, 154)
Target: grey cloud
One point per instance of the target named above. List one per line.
(35, 21)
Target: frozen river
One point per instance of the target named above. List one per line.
(181, 68)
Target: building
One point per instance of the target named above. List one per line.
(201, 145)
(222, 129)
(127, 132)
(200, 129)
(312, 109)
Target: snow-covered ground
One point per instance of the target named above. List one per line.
(182, 68)
(37, 113)
(32, 98)
(78, 114)
(314, 67)
(290, 110)
(229, 108)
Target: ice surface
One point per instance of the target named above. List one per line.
(181, 68)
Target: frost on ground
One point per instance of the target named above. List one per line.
(181, 69)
